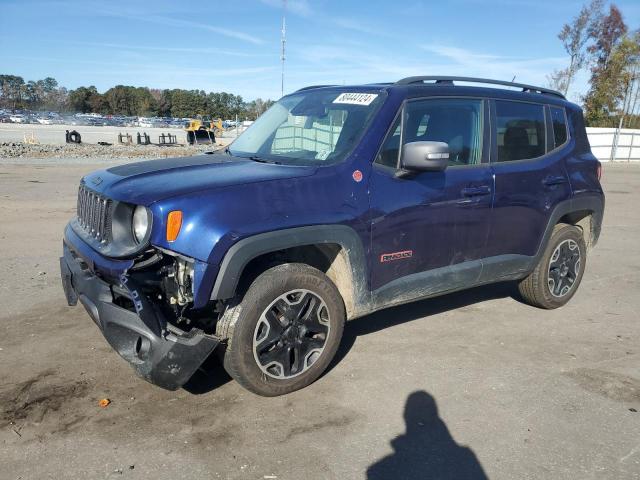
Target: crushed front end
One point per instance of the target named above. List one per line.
(142, 302)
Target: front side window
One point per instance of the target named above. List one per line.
(559, 121)
(309, 127)
(454, 121)
(390, 150)
(521, 130)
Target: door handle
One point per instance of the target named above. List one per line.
(554, 180)
(476, 191)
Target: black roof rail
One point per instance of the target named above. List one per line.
(444, 80)
(314, 86)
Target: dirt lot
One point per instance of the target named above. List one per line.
(470, 385)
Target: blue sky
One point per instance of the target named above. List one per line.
(234, 45)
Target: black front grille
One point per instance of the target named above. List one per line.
(94, 214)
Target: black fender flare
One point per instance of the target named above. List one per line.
(245, 250)
(593, 202)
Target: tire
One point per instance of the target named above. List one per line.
(540, 288)
(74, 137)
(284, 332)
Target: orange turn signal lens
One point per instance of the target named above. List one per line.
(174, 222)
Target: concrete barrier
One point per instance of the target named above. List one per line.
(603, 142)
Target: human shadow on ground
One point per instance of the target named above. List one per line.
(426, 450)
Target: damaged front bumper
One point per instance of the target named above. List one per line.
(158, 351)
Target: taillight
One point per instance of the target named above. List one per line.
(599, 171)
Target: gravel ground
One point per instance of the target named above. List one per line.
(469, 385)
(9, 152)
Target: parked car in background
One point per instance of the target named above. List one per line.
(144, 122)
(17, 118)
(337, 202)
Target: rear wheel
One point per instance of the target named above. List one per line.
(558, 274)
(285, 331)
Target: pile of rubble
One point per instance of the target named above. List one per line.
(86, 150)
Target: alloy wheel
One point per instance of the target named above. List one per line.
(291, 334)
(564, 268)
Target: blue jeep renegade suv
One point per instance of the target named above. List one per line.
(337, 202)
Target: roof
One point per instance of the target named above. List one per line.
(449, 85)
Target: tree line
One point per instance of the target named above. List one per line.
(600, 41)
(47, 94)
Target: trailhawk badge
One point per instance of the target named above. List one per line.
(390, 257)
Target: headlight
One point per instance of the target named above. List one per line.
(140, 223)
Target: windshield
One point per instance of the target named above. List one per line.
(313, 127)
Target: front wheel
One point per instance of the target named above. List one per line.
(285, 331)
(558, 274)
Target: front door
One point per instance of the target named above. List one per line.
(430, 229)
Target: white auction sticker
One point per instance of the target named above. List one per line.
(356, 98)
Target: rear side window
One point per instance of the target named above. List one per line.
(559, 121)
(521, 130)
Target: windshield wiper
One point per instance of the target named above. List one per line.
(256, 158)
(215, 152)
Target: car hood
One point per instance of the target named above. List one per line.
(144, 183)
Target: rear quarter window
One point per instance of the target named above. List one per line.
(559, 122)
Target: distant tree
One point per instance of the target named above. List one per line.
(257, 107)
(49, 91)
(119, 100)
(606, 32)
(634, 99)
(145, 103)
(12, 91)
(164, 103)
(574, 37)
(185, 103)
(159, 99)
(58, 99)
(624, 66)
(33, 94)
(607, 79)
(84, 100)
(49, 84)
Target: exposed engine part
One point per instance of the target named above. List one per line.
(176, 279)
(168, 279)
(184, 278)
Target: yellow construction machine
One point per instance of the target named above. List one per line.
(203, 130)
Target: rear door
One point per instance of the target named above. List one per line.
(530, 177)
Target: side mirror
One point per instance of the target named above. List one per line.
(425, 156)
